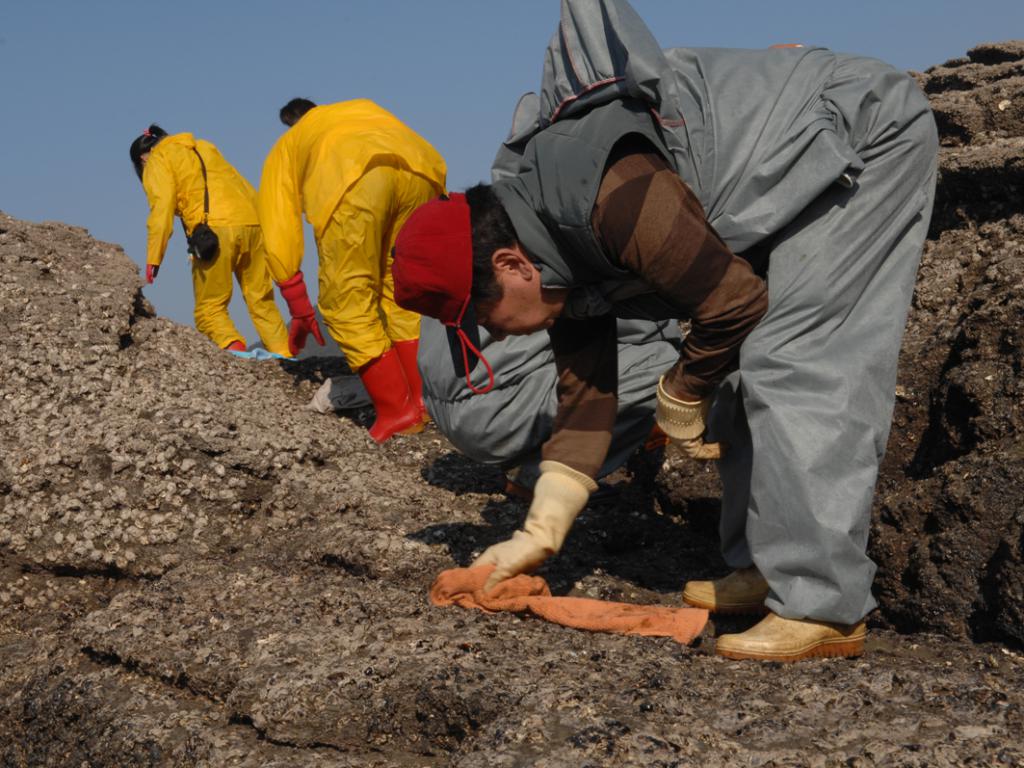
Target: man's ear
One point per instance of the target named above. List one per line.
(513, 260)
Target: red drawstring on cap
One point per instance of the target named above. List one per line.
(465, 342)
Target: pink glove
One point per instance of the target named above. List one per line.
(303, 317)
(151, 271)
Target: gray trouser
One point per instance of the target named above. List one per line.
(508, 425)
(807, 414)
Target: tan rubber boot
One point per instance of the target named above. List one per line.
(777, 639)
(742, 591)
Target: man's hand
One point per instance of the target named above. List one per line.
(520, 554)
(559, 496)
(697, 449)
(151, 272)
(685, 422)
(303, 320)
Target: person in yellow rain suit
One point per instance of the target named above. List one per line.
(357, 172)
(172, 176)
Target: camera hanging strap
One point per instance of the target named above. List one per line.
(206, 196)
(206, 188)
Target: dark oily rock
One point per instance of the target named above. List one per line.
(976, 116)
(948, 530)
(948, 533)
(322, 658)
(79, 712)
(694, 710)
(314, 655)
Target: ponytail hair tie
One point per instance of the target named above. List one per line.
(147, 133)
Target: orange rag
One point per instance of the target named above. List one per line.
(530, 594)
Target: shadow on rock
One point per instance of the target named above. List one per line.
(315, 370)
(465, 541)
(460, 474)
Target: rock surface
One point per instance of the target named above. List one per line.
(197, 571)
(949, 528)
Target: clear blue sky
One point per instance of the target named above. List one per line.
(82, 79)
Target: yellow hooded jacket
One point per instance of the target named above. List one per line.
(173, 180)
(317, 160)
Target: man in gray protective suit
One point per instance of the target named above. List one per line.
(626, 189)
(507, 425)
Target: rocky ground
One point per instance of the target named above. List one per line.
(197, 571)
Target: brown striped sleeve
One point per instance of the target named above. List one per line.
(586, 355)
(650, 222)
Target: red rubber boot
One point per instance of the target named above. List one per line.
(407, 351)
(385, 382)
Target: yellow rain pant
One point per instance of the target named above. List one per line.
(357, 292)
(241, 255)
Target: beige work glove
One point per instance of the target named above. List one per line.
(560, 495)
(684, 422)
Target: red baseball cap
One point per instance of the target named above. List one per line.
(433, 269)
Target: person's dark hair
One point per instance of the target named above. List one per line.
(492, 229)
(293, 110)
(143, 144)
